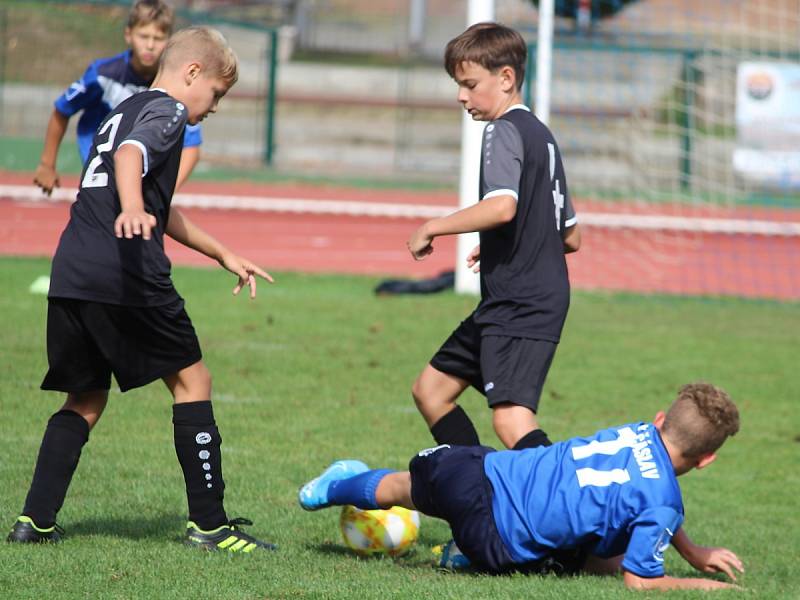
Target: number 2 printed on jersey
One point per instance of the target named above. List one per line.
(94, 178)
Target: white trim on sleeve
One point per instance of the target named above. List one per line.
(142, 149)
(571, 222)
(503, 192)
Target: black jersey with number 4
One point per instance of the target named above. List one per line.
(91, 263)
(524, 282)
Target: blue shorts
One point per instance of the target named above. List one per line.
(449, 483)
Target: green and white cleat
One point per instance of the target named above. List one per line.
(25, 531)
(227, 537)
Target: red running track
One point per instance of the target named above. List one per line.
(686, 263)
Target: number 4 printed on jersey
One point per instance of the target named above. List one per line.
(93, 178)
(558, 197)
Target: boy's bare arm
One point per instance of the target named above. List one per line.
(133, 219)
(674, 583)
(707, 559)
(46, 176)
(182, 230)
(572, 239)
(484, 215)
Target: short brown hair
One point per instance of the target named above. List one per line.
(701, 419)
(144, 12)
(492, 46)
(208, 47)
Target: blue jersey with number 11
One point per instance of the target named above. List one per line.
(615, 493)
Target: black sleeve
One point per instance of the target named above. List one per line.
(157, 129)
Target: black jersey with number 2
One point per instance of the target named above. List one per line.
(91, 263)
(524, 282)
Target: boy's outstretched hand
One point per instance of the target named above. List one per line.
(246, 271)
(420, 244)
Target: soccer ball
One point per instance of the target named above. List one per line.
(373, 532)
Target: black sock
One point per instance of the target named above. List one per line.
(455, 429)
(533, 439)
(197, 444)
(63, 440)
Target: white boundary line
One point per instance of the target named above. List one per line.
(28, 193)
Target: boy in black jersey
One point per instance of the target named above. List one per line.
(112, 307)
(526, 223)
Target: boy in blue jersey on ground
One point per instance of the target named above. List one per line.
(600, 504)
(527, 223)
(109, 81)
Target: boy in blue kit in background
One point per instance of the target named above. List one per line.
(598, 504)
(109, 81)
(112, 306)
(527, 223)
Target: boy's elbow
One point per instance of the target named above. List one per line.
(507, 209)
(634, 582)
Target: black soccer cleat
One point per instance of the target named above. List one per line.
(227, 537)
(25, 531)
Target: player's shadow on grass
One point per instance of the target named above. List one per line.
(419, 558)
(331, 548)
(164, 526)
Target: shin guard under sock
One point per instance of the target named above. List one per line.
(358, 490)
(533, 439)
(63, 440)
(456, 429)
(197, 444)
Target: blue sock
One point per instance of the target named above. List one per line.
(358, 490)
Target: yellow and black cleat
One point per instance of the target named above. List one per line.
(25, 531)
(227, 537)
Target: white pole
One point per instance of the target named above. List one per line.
(468, 282)
(544, 60)
(416, 24)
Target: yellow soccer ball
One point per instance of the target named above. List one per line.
(371, 532)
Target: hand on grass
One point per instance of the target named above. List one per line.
(246, 271)
(46, 178)
(474, 259)
(715, 560)
(134, 222)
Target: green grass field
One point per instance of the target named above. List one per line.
(318, 368)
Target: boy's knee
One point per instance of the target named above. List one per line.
(190, 384)
(204, 375)
(511, 422)
(418, 391)
(425, 393)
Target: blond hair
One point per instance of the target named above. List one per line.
(492, 46)
(702, 417)
(206, 46)
(145, 12)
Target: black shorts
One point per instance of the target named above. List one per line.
(449, 482)
(504, 369)
(88, 341)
